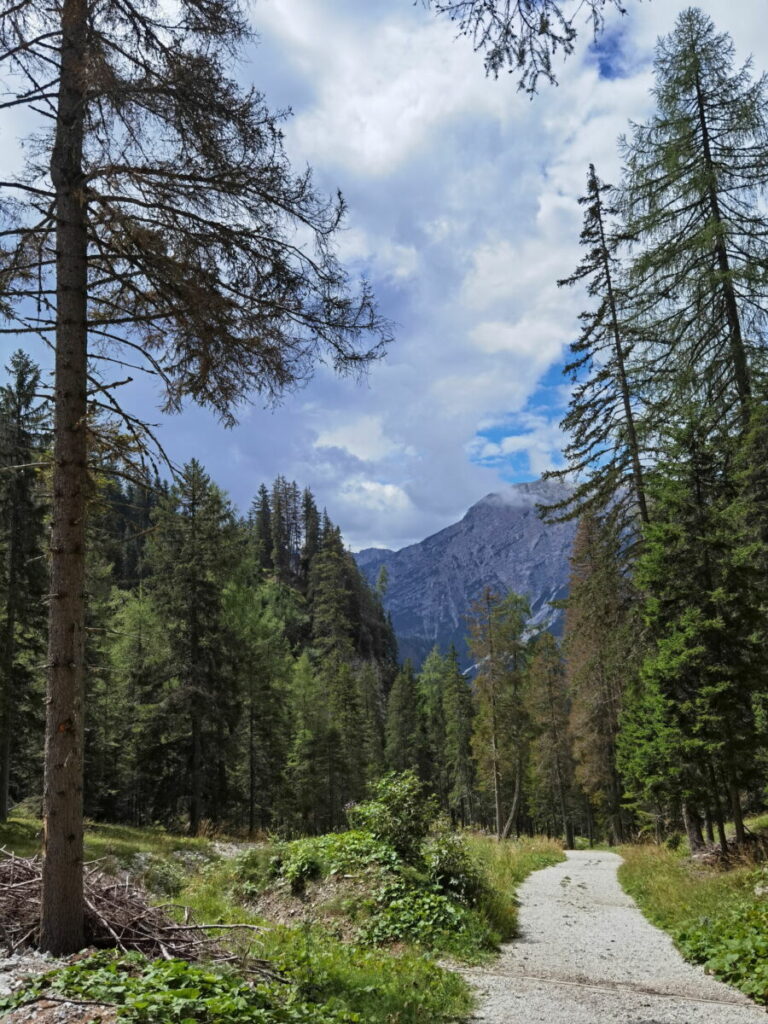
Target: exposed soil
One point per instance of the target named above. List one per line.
(327, 901)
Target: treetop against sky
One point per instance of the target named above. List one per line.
(463, 213)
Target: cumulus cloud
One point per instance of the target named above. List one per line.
(463, 212)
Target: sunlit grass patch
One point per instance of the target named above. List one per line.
(505, 865)
(718, 918)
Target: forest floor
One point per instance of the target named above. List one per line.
(586, 955)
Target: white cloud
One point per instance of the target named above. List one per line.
(362, 437)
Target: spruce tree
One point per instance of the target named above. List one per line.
(458, 716)
(706, 665)
(192, 551)
(405, 736)
(24, 426)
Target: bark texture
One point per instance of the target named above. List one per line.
(62, 901)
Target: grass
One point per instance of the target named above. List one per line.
(22, 835)
(387, 975)
(717, 918)
(505, 866)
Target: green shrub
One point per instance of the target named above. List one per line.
(399, 814)
(175, 992)
(451, 868)
(734, 945)
(674, 841)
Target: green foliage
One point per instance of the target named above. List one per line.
(451, 868)
(717, 918)
(176, 992)
(407, 988)
(426, 917)
(399, 813)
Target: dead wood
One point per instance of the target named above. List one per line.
(118, 915)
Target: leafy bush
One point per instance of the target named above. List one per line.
(175, 992)
(399, 814)
(451, 868)
(734, 946)
(426, 917)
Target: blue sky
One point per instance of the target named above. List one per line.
(462, 211)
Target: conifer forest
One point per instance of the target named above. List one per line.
(219, 684)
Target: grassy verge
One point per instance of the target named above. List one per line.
(717, 918)
(505, 866)
(371, 924)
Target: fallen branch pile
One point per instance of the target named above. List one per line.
(119, 914)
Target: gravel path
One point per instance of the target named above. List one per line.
(586, 955)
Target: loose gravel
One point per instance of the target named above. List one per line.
(586, 955)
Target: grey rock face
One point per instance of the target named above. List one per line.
(501, 542)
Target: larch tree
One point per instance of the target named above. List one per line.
(601, 641)
(603, 447)
(497, 641)
(523, 37)
(156, 223)
(549, 708)
(695, 179)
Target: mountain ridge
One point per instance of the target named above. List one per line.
(499, 542)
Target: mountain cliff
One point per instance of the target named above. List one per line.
(501, 542)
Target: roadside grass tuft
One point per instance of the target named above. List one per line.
(717, 918)
(504, 866)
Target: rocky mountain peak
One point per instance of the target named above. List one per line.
(500, 542)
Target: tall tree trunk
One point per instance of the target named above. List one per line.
(738, 816)
(62, 892)
(515, 809)
(8, 656)
(692, 822)
(251, 768)
(717, 808)
(8, 700)
(736, 340)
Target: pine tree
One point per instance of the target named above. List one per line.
(602, 653)
(191, 552)
(696, 176)
(24, 425)
(603, 436)
(497, 642)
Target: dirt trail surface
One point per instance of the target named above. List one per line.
(586, 955)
